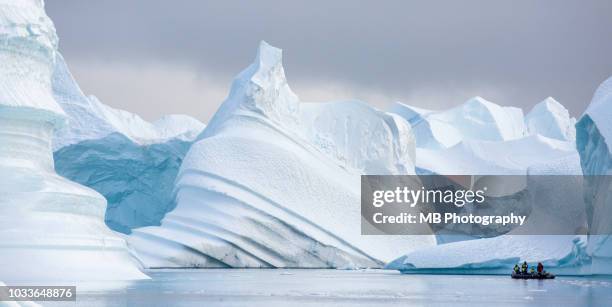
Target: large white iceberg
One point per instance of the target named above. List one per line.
(130, 161)
(273, 182)
(593, 133)
(51, 229)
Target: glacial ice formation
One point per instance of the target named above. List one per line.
(130, 161)
(593, 133)
(273, 182)
(51, 229)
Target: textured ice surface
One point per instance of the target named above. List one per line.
(51, 229)
(275, 183)
(593, 133)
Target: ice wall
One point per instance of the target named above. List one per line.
(51, 229)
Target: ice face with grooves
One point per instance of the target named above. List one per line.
(275, 183)
(51, 229)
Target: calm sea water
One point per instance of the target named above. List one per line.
(238, 287)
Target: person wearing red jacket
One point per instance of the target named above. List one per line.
(540, 268)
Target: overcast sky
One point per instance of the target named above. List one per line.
(160, 57)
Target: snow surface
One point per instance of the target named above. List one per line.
(51, 229)
(476, 119)
(275, 183)
(593, 133)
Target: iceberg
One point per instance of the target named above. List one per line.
(130, 161)
(273, 182)
(551, 119)
(51, 229)
(593, 133)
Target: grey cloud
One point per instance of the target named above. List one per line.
(429, 53)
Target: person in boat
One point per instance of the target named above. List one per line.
(540, 268)
(524, 267)
(517, 269)
(532, 272)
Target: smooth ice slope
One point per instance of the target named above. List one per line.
(51, 229)
(476, 119)
(551, 119)
(275, 183)
(593, 136)
(130, 161)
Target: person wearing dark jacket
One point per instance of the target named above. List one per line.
(524, 267)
